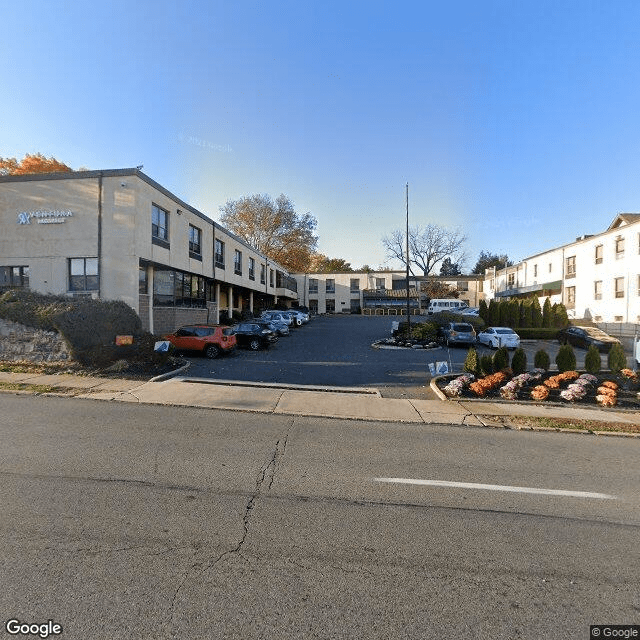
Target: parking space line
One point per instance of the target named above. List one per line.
(497, 487)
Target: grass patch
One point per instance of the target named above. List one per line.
(578, 425)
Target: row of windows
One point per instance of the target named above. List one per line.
(219, 261)
(82, 275)
(618, 290)
(330, 285)
(160, 236)
(570, 261)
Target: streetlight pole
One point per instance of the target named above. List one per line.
(408, 299)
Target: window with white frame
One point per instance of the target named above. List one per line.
(237, 262)
(619, 247)
(355, 285)
(571, 297)
(511, 280)
(313, 286)
(535, 270)
(263, 274)
(271, 276)
(252, 269)
(330, 285)
(619, 287)
(83, 274)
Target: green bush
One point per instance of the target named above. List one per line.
(494, 312)
(542, 360)
(566, 358)
(536, 313)
(483, 311)
(519, 362)
(486, 365)
(424, 331)
(547, 314)
(592, 361)
(616, 359)
(560, 319)
(500, 359)
(471, 363)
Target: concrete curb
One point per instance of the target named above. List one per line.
(165, 376)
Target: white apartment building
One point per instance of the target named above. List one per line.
(118, 235)
(364, 292)
(597, 277)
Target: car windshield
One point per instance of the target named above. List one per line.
(463, 328)
(509, 331)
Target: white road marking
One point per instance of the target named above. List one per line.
(498, 487)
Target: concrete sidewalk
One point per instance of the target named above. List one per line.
(327, 402)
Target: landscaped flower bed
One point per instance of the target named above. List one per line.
(569, 387)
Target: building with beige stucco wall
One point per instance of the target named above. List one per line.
(119, 235)
(377, 291)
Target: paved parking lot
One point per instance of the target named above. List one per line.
(336, 351)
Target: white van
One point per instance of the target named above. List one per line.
(445, 304)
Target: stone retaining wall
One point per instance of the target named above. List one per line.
(18, 342)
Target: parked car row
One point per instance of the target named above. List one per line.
(256, 333)
(454, 333)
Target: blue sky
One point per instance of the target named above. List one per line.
(515, 121)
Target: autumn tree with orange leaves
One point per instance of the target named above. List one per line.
(36, 163)
(274, 228)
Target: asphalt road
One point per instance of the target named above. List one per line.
(158, 522)
(336, 351)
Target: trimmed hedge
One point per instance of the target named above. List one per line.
(537, 333)
(89, 327)
(443, 317)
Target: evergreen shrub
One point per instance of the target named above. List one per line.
(501, 359)
(471, 363)
(616, 359)
(542, 360)
(566, 358)
(592, 361)
(519, 362)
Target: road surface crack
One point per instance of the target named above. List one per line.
(264, 479)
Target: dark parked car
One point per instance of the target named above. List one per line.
(211, 340)
(254, 335)
(585, 337)
(458, 333)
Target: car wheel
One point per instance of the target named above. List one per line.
(254, 344)
(212, 351)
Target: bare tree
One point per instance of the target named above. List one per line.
(428, 246)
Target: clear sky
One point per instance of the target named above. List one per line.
(516, 121)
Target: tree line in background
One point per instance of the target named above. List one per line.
(524, 313)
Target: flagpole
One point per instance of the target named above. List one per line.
(408, 299)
